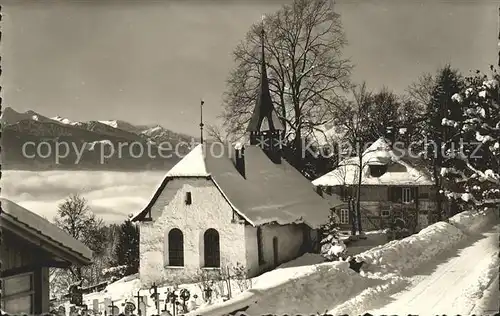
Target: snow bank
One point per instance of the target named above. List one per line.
(265, 283)
(307, 285)
(488, 304)
(297, 290)
(370, 296)
(487, 272)
(122, 289)
(329, 285)
(473, 222)
(294, 269)
(413, 251)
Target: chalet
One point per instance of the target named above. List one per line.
(224, 205)
(29, 247)
(394, 185)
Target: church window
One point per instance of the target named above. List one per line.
(175, 248)
(212, 248)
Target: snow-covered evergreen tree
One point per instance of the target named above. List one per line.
(126, 252)
(474, 165)
(439, 137)
(331, 245)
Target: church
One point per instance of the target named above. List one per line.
(224, 205)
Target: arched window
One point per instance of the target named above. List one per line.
(212, 248)
(175, 248)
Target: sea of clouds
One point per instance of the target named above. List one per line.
(110, 195)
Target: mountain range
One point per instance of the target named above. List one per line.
(91, 145)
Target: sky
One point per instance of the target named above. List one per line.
(150, 62)
(111, 196)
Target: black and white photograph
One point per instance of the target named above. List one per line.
(249, 157)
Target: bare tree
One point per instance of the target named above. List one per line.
(303, 46)
(218, 134)
(384, 112)
(75, 218)
(354, 118)
(421, 90)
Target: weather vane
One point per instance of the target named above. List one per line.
(202, 102)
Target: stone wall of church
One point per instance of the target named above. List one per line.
(290, 240)
(208, 209)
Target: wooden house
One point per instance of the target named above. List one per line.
(394, 184)
(30, 246)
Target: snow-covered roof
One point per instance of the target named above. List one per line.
(268, 193)
(401, 171)
(192, 165)
(32, 224)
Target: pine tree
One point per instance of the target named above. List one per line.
(474, 165)
(330, 236)
(438, 136)
(126, 252)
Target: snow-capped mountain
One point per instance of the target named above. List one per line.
(65, 121)
(91, 136)
(160, 134)
(126, 126)
(113, 124)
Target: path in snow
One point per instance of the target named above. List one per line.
(454, 286)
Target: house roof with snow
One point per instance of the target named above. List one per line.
(402, 168)
(29, 225)
(267, 193)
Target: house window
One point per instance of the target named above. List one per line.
(212, 248)
(175, 248)
(260, 246)
(406, 195)
(188, 198)
(385, 213)
(18, 294)
(344, 216)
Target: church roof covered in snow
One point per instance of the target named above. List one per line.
(402, 168)
(267, 193)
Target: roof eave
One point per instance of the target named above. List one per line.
(37, 237)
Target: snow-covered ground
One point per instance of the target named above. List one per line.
(453, 286)
(446, 268)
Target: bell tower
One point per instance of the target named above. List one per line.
(265, 128)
